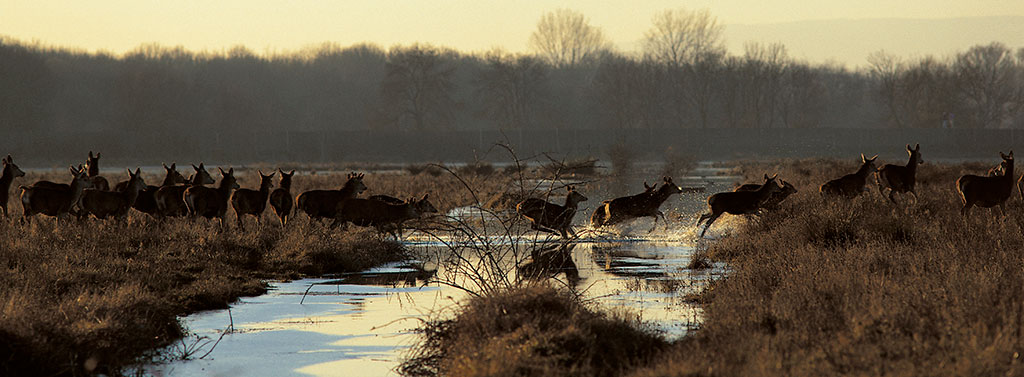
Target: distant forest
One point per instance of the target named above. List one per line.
(169, 93)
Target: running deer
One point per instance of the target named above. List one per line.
(104, 204)
(987, 192)
(645, 204)
(11, 171)
(146, 202)
(850, 185)
(252, 202)
(386, 217)
(170, 199)
(900, 178)
(93, 164)
(54, 200)
(211, 202)
(738, 202)
(281, 198)
(550, 217)
(321, 204)
(775, 198)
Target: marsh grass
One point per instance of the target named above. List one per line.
(862, 287)
(87, 296)
(533, 330)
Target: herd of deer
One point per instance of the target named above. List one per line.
(982, 191)
(90, 194)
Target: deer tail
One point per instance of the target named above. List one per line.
(960, 189)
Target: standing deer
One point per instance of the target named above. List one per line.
(281, 198)
(645, 204)
(550, 217)
(900, 178)
(321, 204)
(11, 171)
(850, 185)
(103, 204)
(738, 202)
(775, 198)
(146, 202)
(170, 200)
(252, 202)
(54, 200)
(93, 164)
(384, 216)
(987, 192)
(211, 202)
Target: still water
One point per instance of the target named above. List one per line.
(360, 324)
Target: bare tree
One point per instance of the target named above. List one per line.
(565, 38)
(418, 89)
(886, 70)
(679, 36)
(762, 69)
(989, 81)
(512, 88)
(629, 93)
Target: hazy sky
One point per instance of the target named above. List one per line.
(468, 25)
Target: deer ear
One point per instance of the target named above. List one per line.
(90, 154)
(766, 176)
(231, 171)
(909, 149)
(425, 196)
(292, 173)
(917, 147)
(874, 158)
(221, 171)
(72, 170)
(137, 171)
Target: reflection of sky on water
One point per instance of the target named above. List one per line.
(360, 324)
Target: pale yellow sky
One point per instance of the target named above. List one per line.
(469, 25)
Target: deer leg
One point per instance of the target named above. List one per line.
(711, 220)
(702, 218)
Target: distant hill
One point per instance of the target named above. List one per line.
(849, 41)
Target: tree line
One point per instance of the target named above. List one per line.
(682, 78)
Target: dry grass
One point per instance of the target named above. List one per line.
(530, 331)
(86, 297)
(863, 287)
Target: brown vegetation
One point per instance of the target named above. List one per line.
(530, 331)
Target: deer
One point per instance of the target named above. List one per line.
(775, 198)
(54, 200)
(851, 185)
(281, 198)
(170, 200)
(645, 204)
(386, 217)
(211, 202)
(104, 204)
(986, 192)
(550, 217)
(93, 164)
(738, 202)
(900, 179)
(11, 171)
(252, 202)
(322, 204)
(146, 201)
